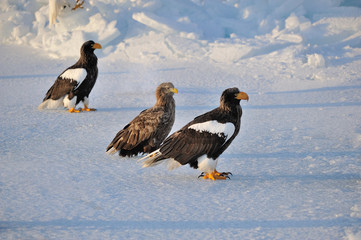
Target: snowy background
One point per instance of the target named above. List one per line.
(296, 163)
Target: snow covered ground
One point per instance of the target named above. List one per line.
(296, 163)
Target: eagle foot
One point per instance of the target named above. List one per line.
(88, 109)
(73, 110)
(79, 4)
(215, 175)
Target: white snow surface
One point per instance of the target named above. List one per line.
(296, 162)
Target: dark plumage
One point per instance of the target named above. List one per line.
(75, 83)
(203, 140)
(146, 132)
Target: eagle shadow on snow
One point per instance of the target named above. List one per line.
(179, 225)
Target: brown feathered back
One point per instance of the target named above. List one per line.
(147, 131)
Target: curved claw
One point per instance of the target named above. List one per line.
(215, 175)
(226, 174)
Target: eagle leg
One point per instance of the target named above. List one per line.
(215, 175)
(87, 109)
(73, 110)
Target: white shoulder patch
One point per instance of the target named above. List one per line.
(77, 74)
(214, 127)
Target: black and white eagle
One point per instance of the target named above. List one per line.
(203, 140)
(75, 83)
(147, 131)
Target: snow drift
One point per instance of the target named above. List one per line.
(220, 31)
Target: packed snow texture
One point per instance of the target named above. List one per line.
(296, 163)
(219, 31)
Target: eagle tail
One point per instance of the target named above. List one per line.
(118, 143)
(152, 159)
(111, 150)
(51, 104)
(156, 157)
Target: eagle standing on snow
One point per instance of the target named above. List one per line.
(75, 83)
(203, 140)
(147, 131)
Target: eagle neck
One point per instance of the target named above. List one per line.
(88, 60)
(234, 111)
(166, 101)
(229, 107)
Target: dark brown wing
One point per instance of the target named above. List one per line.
(66, 82)
(60, 88)
(150, 127)
(186, 145)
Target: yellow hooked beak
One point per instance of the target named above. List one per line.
(174, 90)
(242, 96)
(97, 46)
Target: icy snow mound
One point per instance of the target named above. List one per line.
(221, 31)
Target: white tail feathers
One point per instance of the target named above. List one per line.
(149, 160)
(112, 151)
(51, 104)
(173, 164)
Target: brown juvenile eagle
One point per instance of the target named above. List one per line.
(147, 131)
(75, 83)
(203, 140)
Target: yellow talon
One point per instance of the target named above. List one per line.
(216, 175)
(87, 109)
(73, 110)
